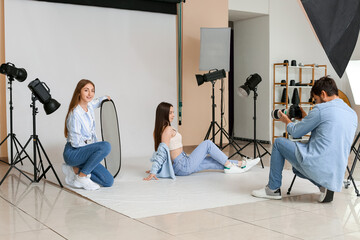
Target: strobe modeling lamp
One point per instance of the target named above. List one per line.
(251, 83)
(10, 70)
(212, 75)
(42, 92)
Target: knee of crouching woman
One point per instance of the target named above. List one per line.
(109, 182)
(106, 147)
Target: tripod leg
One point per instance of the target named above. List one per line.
(256, 147)
(2, 143)
(6, 174)
(40, 161)
(5, 139)
(357, 153)
(18, 154)
(208, 132)
(291, 185)
(266, 151)
(50, 164)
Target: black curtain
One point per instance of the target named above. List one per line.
(159, 6)
(337, 24)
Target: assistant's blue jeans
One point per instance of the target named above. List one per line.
(88, 158)
(205, 156)
(283, 149)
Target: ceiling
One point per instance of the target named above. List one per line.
(239, 15)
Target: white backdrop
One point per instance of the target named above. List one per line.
(129, 55)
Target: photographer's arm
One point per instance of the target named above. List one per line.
(306, 125)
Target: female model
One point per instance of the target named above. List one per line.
(206, 156)
(83, 153)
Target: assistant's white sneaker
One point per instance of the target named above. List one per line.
(250, 163)
(85, 183)
(69, 174)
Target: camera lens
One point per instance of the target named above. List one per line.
(275, 113)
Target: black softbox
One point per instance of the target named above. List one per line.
(336, 24)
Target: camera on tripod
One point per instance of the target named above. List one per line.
(293, 111)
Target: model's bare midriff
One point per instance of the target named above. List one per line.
(176, 152)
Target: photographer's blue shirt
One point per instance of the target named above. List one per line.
(325, 156)
(81, 124)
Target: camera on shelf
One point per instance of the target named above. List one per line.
(292, 112)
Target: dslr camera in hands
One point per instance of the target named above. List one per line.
(292, 112)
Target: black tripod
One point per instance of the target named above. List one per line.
(255, 141)
(14, 142)
(357, 157)
(220, 130)
(38, 149)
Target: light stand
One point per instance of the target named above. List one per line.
(255, 141)
(14, 142)
(220, 130)
(357, 157)
(38, 149)
(251, 84)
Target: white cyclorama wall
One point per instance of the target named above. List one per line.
(251, 55)
(129, 55)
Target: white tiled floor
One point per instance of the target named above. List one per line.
(45, 211)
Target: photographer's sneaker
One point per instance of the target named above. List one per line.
(85, 183)
(249, 163)
(267, 193)
(326, 195)
(233, 168)
(69, 174)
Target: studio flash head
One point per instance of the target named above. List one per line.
(250, 84)
(43, 95)
(10, 70)
(211, 76)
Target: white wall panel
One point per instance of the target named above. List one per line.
(129, 55)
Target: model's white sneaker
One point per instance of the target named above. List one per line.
(267, 193)
(85, 183)
(69, 174)
(233, 168)
(250, 163)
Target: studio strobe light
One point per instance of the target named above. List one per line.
(251, 84)
(40, 91)
(10, 70)
(43, 95)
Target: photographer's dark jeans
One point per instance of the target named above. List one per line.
(283, 149)
(88, 158)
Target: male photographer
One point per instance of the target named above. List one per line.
(323, 159)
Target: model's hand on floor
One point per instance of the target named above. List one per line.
(151, 176)
(148, 171)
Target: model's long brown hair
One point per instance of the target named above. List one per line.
(76, 99)
(161, 122)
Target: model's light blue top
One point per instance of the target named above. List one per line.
(324, 158)
(81, 124)
(162, 165)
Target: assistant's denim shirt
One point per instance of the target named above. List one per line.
(81, 124)
(162, 165)
(325, 156)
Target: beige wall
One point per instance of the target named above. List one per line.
(3, 132)
(196, 116)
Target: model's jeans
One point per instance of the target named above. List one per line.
(206, 156)
(283, 149)
(88, 158)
